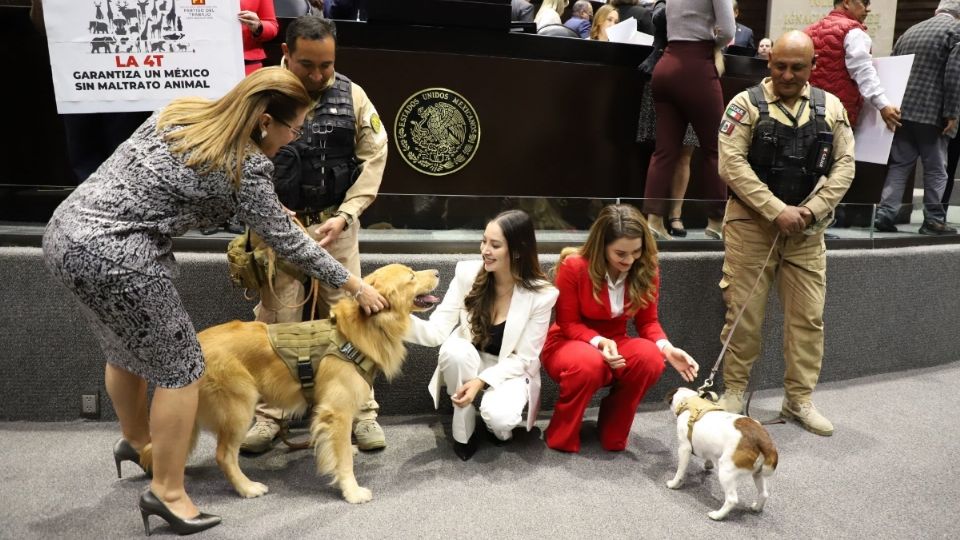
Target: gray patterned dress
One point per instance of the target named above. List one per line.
(110, 243)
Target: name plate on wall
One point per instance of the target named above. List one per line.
(785, 15)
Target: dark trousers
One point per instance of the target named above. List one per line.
(953, 156)
(686, 89)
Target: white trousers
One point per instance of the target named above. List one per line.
(501, 408)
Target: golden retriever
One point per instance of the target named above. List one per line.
(241, 366)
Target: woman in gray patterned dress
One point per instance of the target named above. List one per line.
(194, 163)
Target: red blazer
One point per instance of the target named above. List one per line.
(253, 46)
(580, 317)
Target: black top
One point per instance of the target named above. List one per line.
(496, 339)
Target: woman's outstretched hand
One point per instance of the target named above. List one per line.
(685, 365)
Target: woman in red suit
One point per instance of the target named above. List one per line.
(611, 278)
(259, 24)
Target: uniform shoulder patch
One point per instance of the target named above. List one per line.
(735, 112)
(727, 127)
(375, 123)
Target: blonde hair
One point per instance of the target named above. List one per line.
(618, 221)
(218, 135)
(599, 18)
(555, 5)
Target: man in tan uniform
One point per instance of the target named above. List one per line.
(786, 152)
(329, 176)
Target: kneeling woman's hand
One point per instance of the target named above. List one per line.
(682, 362)
(467, 393)
(613, 358)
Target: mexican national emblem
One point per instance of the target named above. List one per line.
(437, 131)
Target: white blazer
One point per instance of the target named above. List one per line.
(524, 334)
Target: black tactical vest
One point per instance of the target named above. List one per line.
(788, 158)
(315, 171)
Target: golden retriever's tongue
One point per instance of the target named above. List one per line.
(426, 300)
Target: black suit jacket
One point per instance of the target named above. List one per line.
(744, 37)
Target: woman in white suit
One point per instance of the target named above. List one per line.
(491, 326)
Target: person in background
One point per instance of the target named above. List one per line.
(580, 21)
(192, 163)
(764, 48)
(744, 34)
(686, 89)
(646, 127)
(490, 328)
(931, 106)
(614, 277)
(259, 25)
(549, 12)
(605, 17)
(845, 63)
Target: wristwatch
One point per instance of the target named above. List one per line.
(346, 217)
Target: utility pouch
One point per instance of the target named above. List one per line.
(820, 158)
(763, 150)
(245, 268)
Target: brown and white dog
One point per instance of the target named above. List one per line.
(242, 366)
(737, 444)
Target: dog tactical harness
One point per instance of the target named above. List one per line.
(303, 345)
(697, 407)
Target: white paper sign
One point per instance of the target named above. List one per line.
(626, 32)
(872, 138)
(137, 55)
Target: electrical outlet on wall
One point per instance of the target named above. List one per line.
(90, 405)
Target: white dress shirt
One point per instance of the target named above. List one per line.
(859, 62)
(616, 290)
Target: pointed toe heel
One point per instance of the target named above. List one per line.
(151, 505)
(124, 451)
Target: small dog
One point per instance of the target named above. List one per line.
(242, 366)
(737, 444)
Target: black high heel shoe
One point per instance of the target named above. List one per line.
(679, 232)
(465, 451)
(150, 505)
(123, 451)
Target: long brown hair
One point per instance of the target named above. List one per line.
(220, 134)
(618, 221)
(599, 18)
(518, 231)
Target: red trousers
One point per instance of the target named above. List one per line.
(580, 370)
(686, 89)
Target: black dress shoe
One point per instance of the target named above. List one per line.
(884, 225)
(123, 451)
(150, 505)
(465, 451)
(212, 229)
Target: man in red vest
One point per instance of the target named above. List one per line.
(844, 64)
